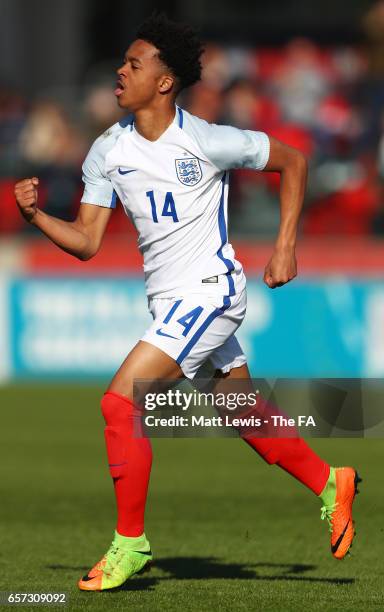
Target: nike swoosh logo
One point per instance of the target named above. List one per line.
(337, 544)
(120, 171)
(141, 552)
(161, 333)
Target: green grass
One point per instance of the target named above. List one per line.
(228, 532)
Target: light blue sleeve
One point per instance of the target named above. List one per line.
(229, 147)
(98, 188)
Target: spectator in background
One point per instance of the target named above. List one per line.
(205, 101)
(48, 138)
(12, 117)
(53, 149)
(254, 208)
(100, 109)
(248, 108)
(206, 98)
(301, 81)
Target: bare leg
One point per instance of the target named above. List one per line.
(144, 361)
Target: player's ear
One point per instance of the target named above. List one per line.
(166, 83)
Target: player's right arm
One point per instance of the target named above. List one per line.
(81, 238)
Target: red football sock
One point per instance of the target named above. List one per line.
(287, 449)
(130, 460)
(295, 457)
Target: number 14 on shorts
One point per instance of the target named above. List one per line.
(187, 321)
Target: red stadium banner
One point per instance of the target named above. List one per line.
(120, 255)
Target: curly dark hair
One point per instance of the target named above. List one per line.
(179, 47)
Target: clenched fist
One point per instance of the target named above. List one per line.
(26, 197)
(281, 268)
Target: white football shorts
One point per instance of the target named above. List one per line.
(199, 326)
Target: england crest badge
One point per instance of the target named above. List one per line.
(188, 171)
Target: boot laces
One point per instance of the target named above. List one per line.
(326, 514)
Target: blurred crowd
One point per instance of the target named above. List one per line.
(326, 101)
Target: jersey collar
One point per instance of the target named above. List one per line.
(178, 120)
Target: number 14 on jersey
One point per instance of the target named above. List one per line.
(169, 208)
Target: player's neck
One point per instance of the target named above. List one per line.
(152, 123)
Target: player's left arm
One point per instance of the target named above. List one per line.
(228, 148)
(293, 168)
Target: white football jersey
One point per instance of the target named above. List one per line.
(175, 191)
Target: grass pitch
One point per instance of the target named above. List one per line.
(228, 532)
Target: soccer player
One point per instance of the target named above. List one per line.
(169, 170)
